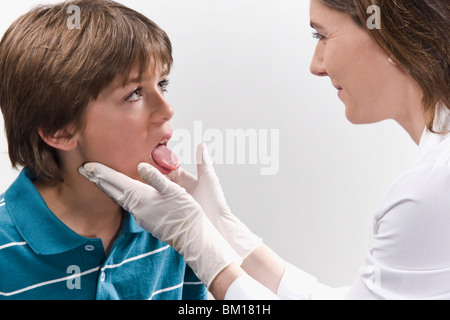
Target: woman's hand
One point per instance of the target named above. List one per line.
(259, 261)
(207, 191)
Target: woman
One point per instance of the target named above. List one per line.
(399, 71)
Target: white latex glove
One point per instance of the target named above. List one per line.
(169, 213)
(207, 191)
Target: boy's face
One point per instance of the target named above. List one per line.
(126, 123)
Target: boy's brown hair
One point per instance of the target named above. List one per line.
(49, 72)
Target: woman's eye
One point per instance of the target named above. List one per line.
(318, 36)
(163, 85)
(135, 95)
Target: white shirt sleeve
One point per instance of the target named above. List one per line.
(295, 285)
(247, 288)
(299, 285)
(410, 254)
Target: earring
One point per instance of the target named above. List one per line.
(391, 61)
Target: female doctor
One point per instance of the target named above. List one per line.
(399, 70)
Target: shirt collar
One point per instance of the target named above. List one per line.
(129, 225)
(429, 140)
(37, 224)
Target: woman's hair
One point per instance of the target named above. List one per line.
(416, 35)
(50, 70)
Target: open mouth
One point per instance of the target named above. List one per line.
(166, 161)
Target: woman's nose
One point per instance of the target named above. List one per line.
(317, 66)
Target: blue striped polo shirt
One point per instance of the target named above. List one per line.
(41, 258)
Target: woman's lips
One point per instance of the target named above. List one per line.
(339, 88)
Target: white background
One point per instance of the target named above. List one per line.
(245, 64)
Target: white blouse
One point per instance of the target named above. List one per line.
(410, 253)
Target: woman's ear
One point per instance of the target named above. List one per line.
(61, 139)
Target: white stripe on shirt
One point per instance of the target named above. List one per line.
(112, 266)
(12, 244)
(165, 290)
(174, 287)
(76, 275)
(83, 273)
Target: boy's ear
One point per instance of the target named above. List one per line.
(61, 139)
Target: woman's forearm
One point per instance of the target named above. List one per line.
(265, 266)
(224, 279)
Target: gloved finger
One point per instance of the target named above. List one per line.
(175, 174)
(113, 183)
(204, 163)
(154, 178)
(183, 178)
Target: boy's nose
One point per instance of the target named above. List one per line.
(170, 112)
(164, 112)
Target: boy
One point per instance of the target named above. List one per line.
(71, 95)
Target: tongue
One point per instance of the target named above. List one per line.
(164, 157)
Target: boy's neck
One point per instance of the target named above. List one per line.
(84, 208)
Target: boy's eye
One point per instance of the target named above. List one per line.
(135, 95)
(163, 85)
(318, 36)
